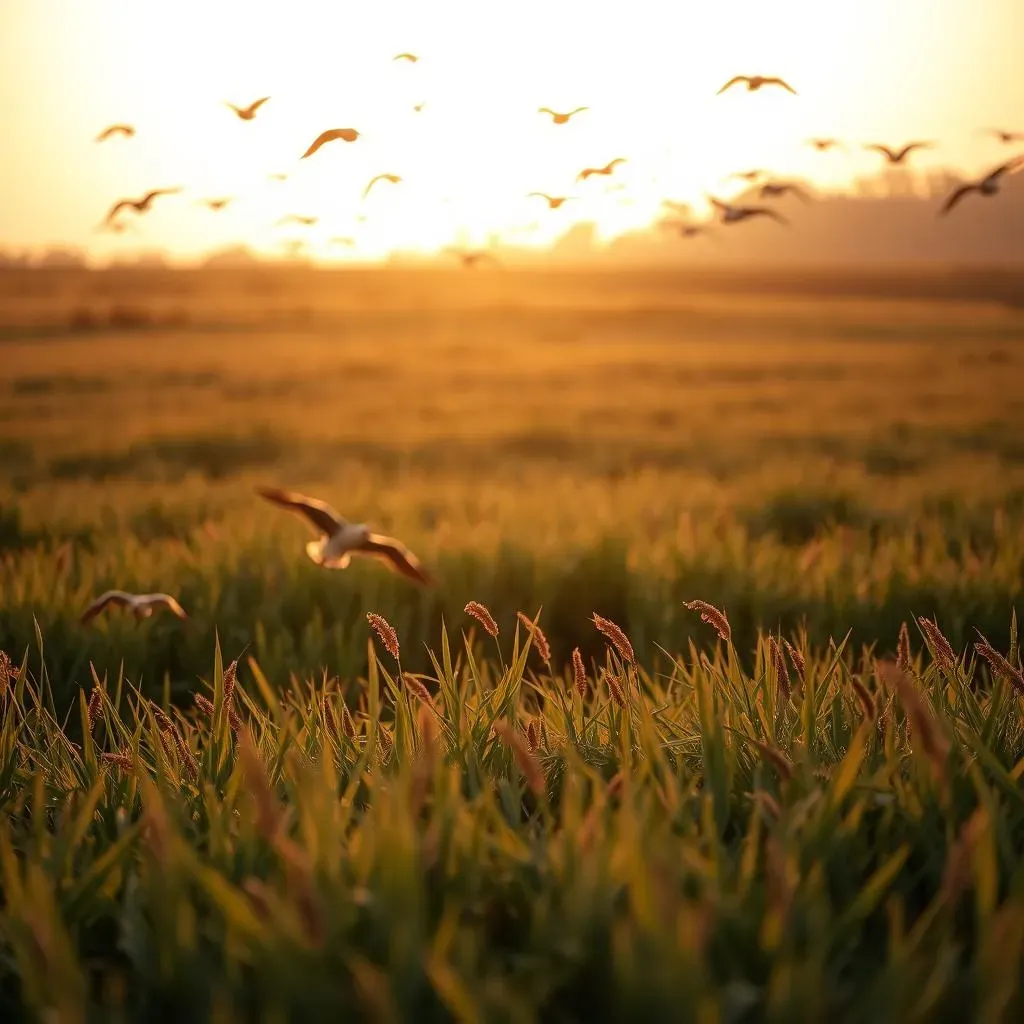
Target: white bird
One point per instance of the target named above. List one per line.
(987, 186)
(142, 606)
(755, 82)
(338, 539)
(730, 214)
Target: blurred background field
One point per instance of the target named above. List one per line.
(828, 451)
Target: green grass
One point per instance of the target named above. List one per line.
(839, 842)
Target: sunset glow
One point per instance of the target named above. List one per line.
(865, 70)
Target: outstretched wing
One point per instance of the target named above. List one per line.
(256, 106)
(765, 211)
(318, 513)
(781, 81)
(157, 192)
(322, 139)
(955, 197)
(168, 602)
(111, 597)
(731, 83)
(116, 129)
(122, 204)
(397, 556)
(578, 110)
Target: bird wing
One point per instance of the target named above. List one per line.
(397, 556)
(781, 81)
(764, 211)
(543, 195)
(407, 56)
(168, 602)
(121, 204)
(956, 196)
(910, 147)
(578, 110)
(884, 150)
(118, 597)
(253, 107)
(322, 517)
(157, 192)
(731, 83)
(321, 140)
(546, 110)
(586, 173)
(718, 204)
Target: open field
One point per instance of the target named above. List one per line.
(712, 834)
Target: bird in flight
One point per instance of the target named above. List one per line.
(1006, 137)
(115, 129)
(338, 539)
(393, 178)
(140, 205)
(249, 112)
(987, 186)
(410, 57)
(278, 176)
(554, 202)
(685, 230)
(419, 106)
(474, 257)
(755, 82)
(295, 218)
(345, 134)
(897, 156)
(214, 204)
(560, 118)
(141, 606)
(781, 188)
(824, 145)
(606, 170)
(749, 176)
(729, 214)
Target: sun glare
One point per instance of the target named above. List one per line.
(461, 125)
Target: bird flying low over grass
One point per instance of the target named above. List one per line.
(345, 134)
(393, 178)
(338, 539)
(772, 189)
(115, 129)
(755, 82)
(249, 112)
(141, 606)
(141, 205)
(561, 118)
(606, 170)
(554, 202)
(729, 214)
(986, 187)
(897, 156)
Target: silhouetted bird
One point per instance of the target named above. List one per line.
(345, 134)
(554, 202)
(295, 218)
(750, 176)
(729, 214)
(560, 118)
(141, 205)
(1006, 137)
(115, 129)
(897, 156)
(755, 82)
(410, 57)
(474, 257)
(607, 169)
(781, 188)
(141, 606)
(249, 112)
(214, 204)
(393, 178)
(824, 145)
(987, 186)
(338, 539)
(685, 230)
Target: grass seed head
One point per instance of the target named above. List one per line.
(416, 688)
(864, 698)
(941, 648)
(6, 672)
(776, 758)
(615, 691)
(999, 665)
(616, 637)
(521, 754)
(482, 614)
(386, 632)
(532, 735)
(579, 673)
(903, 649)
(781, 669)
(713, 616)
(121, 758)
(796, 657)
(540, 641)
(230, 675)
(204, 704)
(92, 712)
(923, 726)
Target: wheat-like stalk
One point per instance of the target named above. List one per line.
(796, 656)
(616, 637)
(903, 649)
(579, 673)
(1000, 666)
(864, 698)
(92, 711)
(269, 813)
(781, 669)
(386, 633)
(204, 704)
(540, 641)
(416, 688)
(525, 760)
(615, 691)
(230, 675)
(941, 648)
(6, 672)
(482, 615)
(713, 616)
(776, 758)
(532, 736)
(922, 723)
(121, 758)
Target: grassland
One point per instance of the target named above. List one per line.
(825, 462)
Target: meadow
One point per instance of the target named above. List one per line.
(706, 834)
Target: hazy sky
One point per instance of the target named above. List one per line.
(866, 70)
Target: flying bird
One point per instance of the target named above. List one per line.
(1007, 137)
(115, 129)
(824, 145)
(750, 176)
(410, 57)
(771, 189)
(346, 134)
(419, 106)
(685, 230)
(755, 82)
(215, 204)
(606, 170)
(393, 178)
(729, 214)
(249, 112)
(987, 186)
(338, 539)
(560, 118)
(554, 202)
(897, 156)
(141, 606)
(140, 205)
(474, 257)
(295, 218)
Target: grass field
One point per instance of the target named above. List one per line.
(824, 461)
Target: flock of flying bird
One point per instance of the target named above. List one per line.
(727, 213)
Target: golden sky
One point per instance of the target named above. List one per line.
(865, 70)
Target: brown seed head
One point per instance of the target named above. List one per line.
(204, 704)
(540, 641)
(713, 616)
(121, 758)
(234, 721)
(941, 649)
(903, 649)
(776, 758)
(616, 637)
(525, 761)
(781, 669)
(482, 615)
(386, 632)
(579, 673)
(615, 691)
(999, 665)
(6, 672)
(92, 712)
(796, 657)
(864, 698)
(416, 688)
(230, 674)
